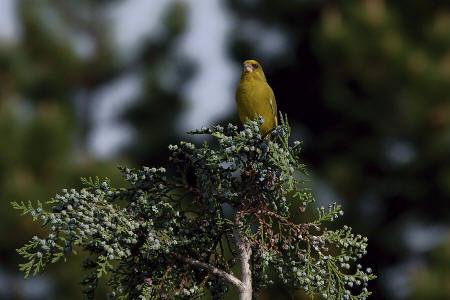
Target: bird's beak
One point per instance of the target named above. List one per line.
(248, 68)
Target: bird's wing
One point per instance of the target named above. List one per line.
(273, 106)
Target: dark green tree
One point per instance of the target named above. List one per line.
(367, 85)
(47, 106)
(41, 74)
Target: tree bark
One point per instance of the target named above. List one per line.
(244, 252)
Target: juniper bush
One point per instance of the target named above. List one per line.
(224, 208)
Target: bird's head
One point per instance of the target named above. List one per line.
(252, 70)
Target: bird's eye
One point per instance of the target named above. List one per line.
(255, 66)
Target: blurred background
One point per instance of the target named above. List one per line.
(86, 85)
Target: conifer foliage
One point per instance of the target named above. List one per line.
(221, 220)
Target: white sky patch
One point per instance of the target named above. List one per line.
(399, 152)
(108, 134)
(270, 41)
(133, 20)
(84, 45)
(421, 237)
(9, 28)
(211, 92)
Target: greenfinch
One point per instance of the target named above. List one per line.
(254, 96)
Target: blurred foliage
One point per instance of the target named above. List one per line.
(39, 76)
(369, 82)
(65, 53)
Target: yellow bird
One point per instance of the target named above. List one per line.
(255, 97)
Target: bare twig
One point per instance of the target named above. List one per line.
(211, 269)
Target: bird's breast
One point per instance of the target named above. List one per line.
(250, 94)
(252, 99)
